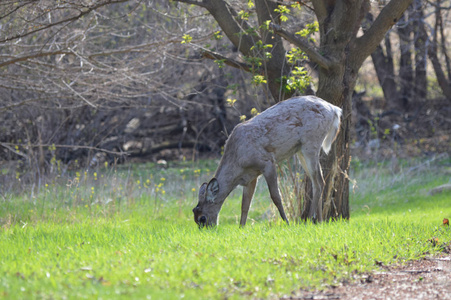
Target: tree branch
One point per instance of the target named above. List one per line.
(9, 145)
(228, 61)
(320, 8)
(34, 55)
(444, 84)
(136, 48)
(8, 107)
(78, 94)
(81, 13)
(303, 44)
(236, 29)
(194, 2)
(388, 17)
(12, 11)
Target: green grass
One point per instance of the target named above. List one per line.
(129, 233)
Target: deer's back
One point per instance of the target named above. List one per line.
(282, 129)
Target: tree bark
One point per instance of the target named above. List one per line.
(443, 81)
(420, 37)
(405, 67)
(385, 70)
(338, 28)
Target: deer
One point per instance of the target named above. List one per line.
(301, 125)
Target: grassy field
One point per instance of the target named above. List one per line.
(127, 232)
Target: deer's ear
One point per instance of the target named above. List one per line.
(212, 190)
(202, 190)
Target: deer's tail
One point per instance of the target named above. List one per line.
(333, 130)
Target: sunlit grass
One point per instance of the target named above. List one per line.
(129, 233)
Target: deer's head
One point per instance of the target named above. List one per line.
(207, 210)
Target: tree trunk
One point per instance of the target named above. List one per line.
(443, 81)
(383, 64)
(335, 165)
(412, 76)
(336, 85)
(405, 67)
(420, 37)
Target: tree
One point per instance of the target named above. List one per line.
(338, 56)
(442, 68)
(411, 82)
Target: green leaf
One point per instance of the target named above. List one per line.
(258, 79)
(283, 11)
(186, 39)
(217, 35)
(244, 15)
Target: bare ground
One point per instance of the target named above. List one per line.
(429, 278)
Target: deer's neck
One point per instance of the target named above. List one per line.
(228, 179)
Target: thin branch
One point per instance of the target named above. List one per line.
(20, 5)
(78, 94)
(34, 55)
(443, 42)
(8, 146)
(137, 48)
(235, 28)
(304, 45)
(8, 107)
(194, 2)
(71, 19)
(228, 61)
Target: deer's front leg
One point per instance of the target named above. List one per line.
(270, 175)
(248, 193)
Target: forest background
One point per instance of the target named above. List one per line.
(109, 81)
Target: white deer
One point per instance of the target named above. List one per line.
(302, 124)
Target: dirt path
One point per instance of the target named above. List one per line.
(428, 278)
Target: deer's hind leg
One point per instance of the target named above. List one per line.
(311, 165)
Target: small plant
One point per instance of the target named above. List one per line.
(186, 39)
